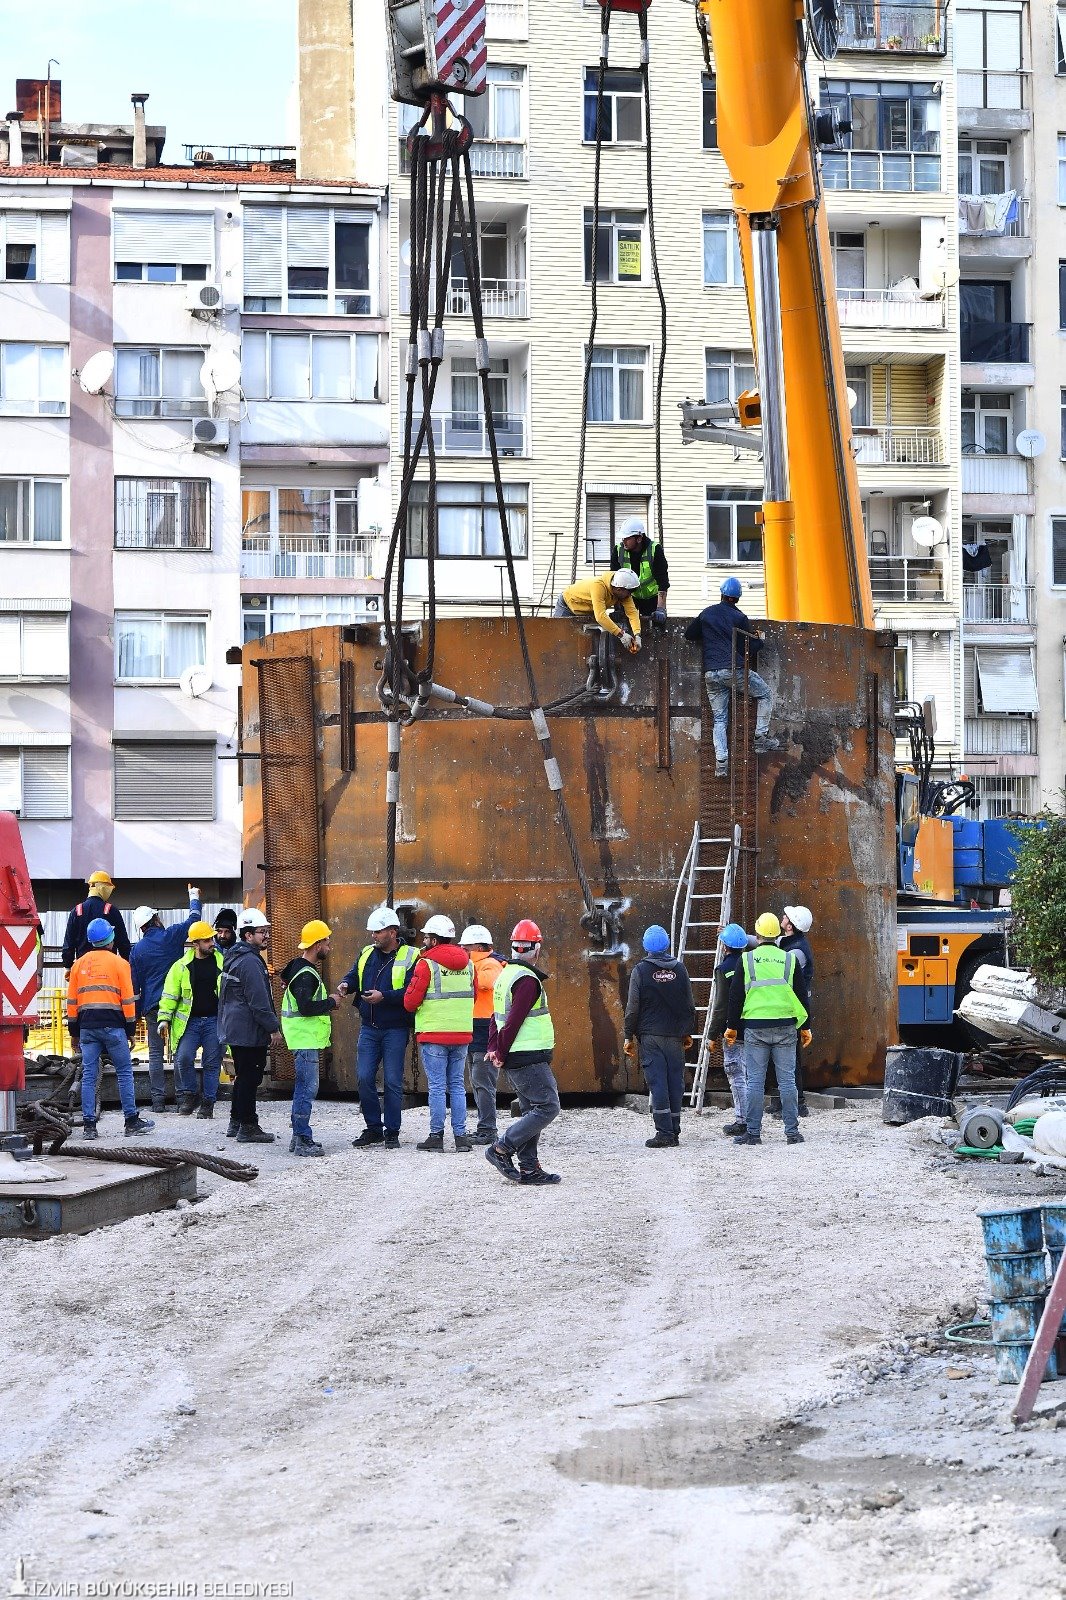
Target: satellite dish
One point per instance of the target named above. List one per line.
(221, 369)
(927, 532)
(194, 682)
(853, 398)
(946, 278)
(1030, 442)
(405, 253)
(96, 373)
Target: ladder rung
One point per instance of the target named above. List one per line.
(706, 897)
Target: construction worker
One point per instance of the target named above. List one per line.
(188, 1020)
(379, 980)
(102, 1015)
(226, 929)
(598, 597)
(735, 942)
(796, 923)
(637, 553)
(768, 996)
(247, 1022)
(660, 1016)
(716, 628)
(152, 957)
(521, 1042)
(441, 995)
(97, 903)
(476, 940)
(305, 1021)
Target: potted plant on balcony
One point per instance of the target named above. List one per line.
(894, 41)
(930, 42)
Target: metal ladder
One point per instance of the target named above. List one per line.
(705, 894)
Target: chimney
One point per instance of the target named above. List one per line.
(140, 141)
(14, 138)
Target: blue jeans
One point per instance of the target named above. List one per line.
(304, 1089)
(538, 1101)
(387, 1048)
(663, 1060)
(93, 1043)
(761, 1045)
(445, 1069)
(201, 1033)
(157, 1071)
(719, 691)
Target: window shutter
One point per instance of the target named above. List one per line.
(164, 782)
(263, 273)
(45, 783)
(55, 247)
(184, 237)
(45, 646)
(308, 237)
(22, 227)
(10, 781)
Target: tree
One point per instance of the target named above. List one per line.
(1038, 898)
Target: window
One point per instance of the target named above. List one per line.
(710, 111)
(156, 647)
(732, 532)
(619, 252)
(1060, 39)
(727, 374)
(310, 366)
(31, 511)
(35, 781)
(721, 250)
(33, 380)
(894, 142)
(162, 514)
(988, 41)
(290, 532)
(901, 672)
(987, 423)
(604, 516)
(1062, 294)
(311, 259)
(617, 383)
(1062, 169)
(159, 382)
(282, 613)
(849, 260)
(164, 781)
(497, 114)
(1058, 551)
(163, 246)
(858, 381)
(984, 166)
(1006, 682)
(34, 645)
(468, 520)
(34, 247)
(622, 108)
(1062, 423)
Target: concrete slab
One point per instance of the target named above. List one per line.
(90, 1195)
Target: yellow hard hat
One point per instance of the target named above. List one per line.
(199, 930)
(767, 926)
(100, 877)
(313, 932)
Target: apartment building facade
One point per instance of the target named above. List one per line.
(193, 393)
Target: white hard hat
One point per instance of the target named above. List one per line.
(624, 580)
(632, 528)
(380, 918)
(800, 918)
(476, 934)
(443, 927)
(143, 916)
(252, 917)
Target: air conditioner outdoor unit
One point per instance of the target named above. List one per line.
(210, 433)
(205, 299)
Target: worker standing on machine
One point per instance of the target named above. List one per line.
(379, 980)
(441, 995)
(660, 1016)
(735, 941)
(768, 996)
(596, 598)
(97, 903)
(635, 552)
(306, 1023)
(796, 923)
(101, 1015)
(522, 1042)
(715, 628)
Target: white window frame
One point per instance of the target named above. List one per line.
(162, 486)
(721, 495)
(975, 400)
(493, 136)
(1053, 518)
(23, 621)
(37, 217)
(331, 294)
(311, 611)
(722, 222)
(859, 373)
(1062, 168)
(28, 513)
(729, 361)
(38, 407)
(184, 271)
(616, 367)
(163, 617)
(904, 647)
(21, 752)
(168, 407)
(609, 222)
(268, 335)
(487, 502)
(590, 81)
(970, 152)
(837, 248)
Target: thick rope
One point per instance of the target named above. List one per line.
(41, 1122)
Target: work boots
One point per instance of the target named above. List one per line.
(368, 1137)
(303, 1145)
(463, 1142)
(138, 1124)
(207, 1109)
(188, 1104)
(252, 1133)
(663, 1141)
(234, 1128)
(88, 1129)
(732, 1129)
(432, 1141)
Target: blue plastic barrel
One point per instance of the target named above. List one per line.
(1054, 1227)
(1011, 1358)
(1012, 1230)
(1015, 1321)
(1020, 1277)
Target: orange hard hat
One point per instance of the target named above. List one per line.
(525, 932)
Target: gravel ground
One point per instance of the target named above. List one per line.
(709, 1372)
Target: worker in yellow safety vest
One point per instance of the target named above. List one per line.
(441, 996)
(522, 1042)
(769, 996)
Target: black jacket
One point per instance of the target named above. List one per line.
(723, 977)
(737, 993)
(303, 978)
(389, 1011)
(798, 944)
(714, 628)
(246, 1015)
(75, 942)
(660, 999)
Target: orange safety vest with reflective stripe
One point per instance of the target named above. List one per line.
(100, 991)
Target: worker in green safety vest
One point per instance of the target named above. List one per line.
(522, 1042)
(635, 551)
(306, 1025)
(769, 995)
(378, 978)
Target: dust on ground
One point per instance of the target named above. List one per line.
(708, 1373)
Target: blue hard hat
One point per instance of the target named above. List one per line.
(100, 931)
(734, 937)
(656, 940)
(732, 588)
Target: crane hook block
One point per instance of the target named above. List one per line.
(436, 47)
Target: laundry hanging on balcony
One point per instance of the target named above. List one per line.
(976, 558)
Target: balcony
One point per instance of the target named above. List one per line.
(994, 341)
(983, 474)
(888, 308)
(1000, 736)
(500, 297)
(291, 555)
(997, 602)
(895, 172)
(993, 216)
(489, 158)
(506, 19)
(992, 92)
(921, 447)
(463, 433)
(896, 580)
(901, 27)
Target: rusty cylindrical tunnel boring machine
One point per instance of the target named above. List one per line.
(477, 832)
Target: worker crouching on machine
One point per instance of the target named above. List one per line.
(598, 597)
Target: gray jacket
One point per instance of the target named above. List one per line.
(246, 1015)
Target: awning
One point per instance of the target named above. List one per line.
(1007, 680)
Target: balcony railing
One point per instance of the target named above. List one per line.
(988, 474)
(896, 172)
(993, 216)
(997, 602)
(500, 297)
(463, 433)
(910, 29)
(993, 91)
(291, 555)
(899, 447)
(1001, 796)
(507, 19)
(994, 341)
(489, 158)
(888, 308)
(898, 579)
(1000, 736)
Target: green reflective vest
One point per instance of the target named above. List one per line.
(402, 963)
(175, 1004)
(537, 1031)
(768, 986)
(648, 587)
(448, 1006)
(298, 1031)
